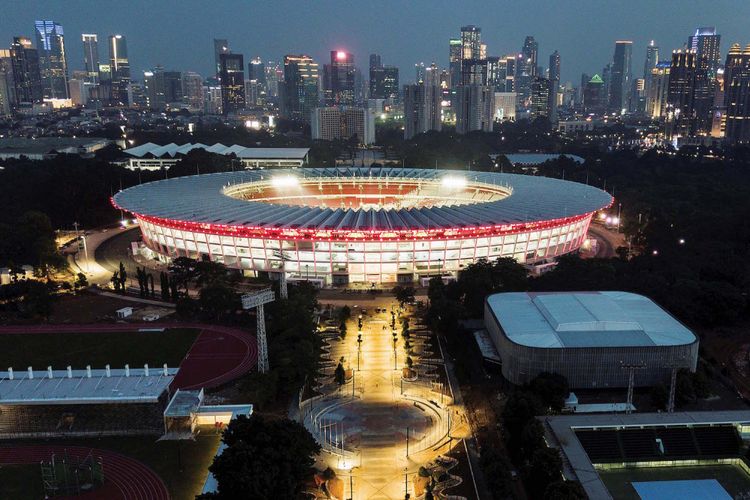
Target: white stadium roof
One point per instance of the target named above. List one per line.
(78, 387)
(586, 319)
(172, 150)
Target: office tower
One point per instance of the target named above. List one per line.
(510, 73)
(27, 80)
(256, 71)
(91, 56)
(657, 90)
(375, 61)
(505, 106)
(232, 79)
(6, 83)
(419, 71)
(652, 58)
(526, 69)
(255, 86)
(595, 96)
(53, 65)
(192, 91)
(621, 77)
(162, 88)
(299, 91)
(120, 70)
(454, 60)
(432, 75)
(471, 42)
(543, 99)
(530, 52)
(221, 46)
(384, 83)
(339, 79)
(554, 66)
(682, 113)
(421, 109)
(736, 78)
(706, 43)
(212, 98)
(137, 96)
(475, 108)
(342, 123)
(274, 75)
(474, 72)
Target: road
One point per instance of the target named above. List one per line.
(607, 241)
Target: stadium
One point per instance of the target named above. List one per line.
(373, 225)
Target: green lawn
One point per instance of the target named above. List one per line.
(619, 481)
(95, 349)
(23, 482)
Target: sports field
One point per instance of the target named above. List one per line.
(95, 348)
(619, 481)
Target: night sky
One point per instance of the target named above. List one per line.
(178, 34)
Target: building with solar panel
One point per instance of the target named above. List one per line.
(592, 338)
(372, 225)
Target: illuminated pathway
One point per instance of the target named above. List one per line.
(373, 424)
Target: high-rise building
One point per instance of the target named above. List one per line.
(339, 79)
(299, 91)
(652, 57)
(737, 95)
(526, 69)
(384, 83)
(256, 71)
(53, 64)
(375, 61)
(595, 96)
(475, 108)
(511, 62)
(342, 123)
(455, 49)
(421, 109)
(419, 72)
(543, 99)
(706, 43)
(530, 52)
(212, 98)
(120, 70)
(432, 75)
(27, 80)
(232, 79)
(657, 90)
(255, 86)
(192, 91)
(274, 75)
(91, 56)
(621, 77)
(221, 46)
(6, 83)
(162, 88)
(471, 42)
(684, 76)
(505, 106)
(554, 67)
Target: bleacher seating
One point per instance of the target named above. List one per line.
(638, 444)
(601, 446)
(717, 441)
(678, 442)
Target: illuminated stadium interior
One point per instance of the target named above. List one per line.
(368, 193)
(347, 225)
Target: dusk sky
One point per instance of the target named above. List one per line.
(178, 34)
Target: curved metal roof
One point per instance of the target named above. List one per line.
(200, 199)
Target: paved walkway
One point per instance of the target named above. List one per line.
(219, 354)
(124, 477)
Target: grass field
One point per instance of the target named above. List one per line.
(23, 482)
(95, 349)
(619, 482)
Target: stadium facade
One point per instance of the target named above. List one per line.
(592, 338)
(375, 225)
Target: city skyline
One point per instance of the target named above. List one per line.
(287, 28)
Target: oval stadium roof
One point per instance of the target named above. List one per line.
(200, 199)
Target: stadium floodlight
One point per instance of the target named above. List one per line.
(453, 182)
(284, 181)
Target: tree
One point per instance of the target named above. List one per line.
(81, 281)
(216, 299)
(404, 294)
(264, 459)
(496, 472)
(551, 388)
(544, 468)
(520, 408)
(344, 314)
(123, 278)
(565, 490)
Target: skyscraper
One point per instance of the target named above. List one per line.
(595, 96)
(256, 71)
(192, 91)
(530, 52)
(526, 69)
(652, 57)
(162, 88)
(419, 72)
(120, 70)
(543, 99)
(53, 65)
(299, 91)
(682, 114)
(471, 42)
(232, 79)
(339, 79)
(475, 108)
(375, 61)
(706, 43)
(737, 95)
(421, 109)
(384, 83)
(554, 66)
(621, 77)
(27, 80)
(91, 56)
(657, 90)
(6, 83)
(454, 60)
(221, 46)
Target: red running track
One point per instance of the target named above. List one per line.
(218, 355)
(124, 477)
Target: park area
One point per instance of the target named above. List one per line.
(619, 481)
(95, 348)
(181, 465)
